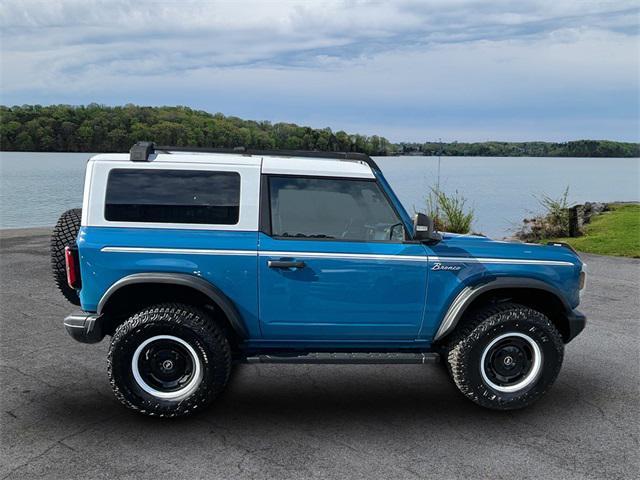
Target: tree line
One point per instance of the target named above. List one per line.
(577, 148)
(99, 128)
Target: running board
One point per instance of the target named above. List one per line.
(349, 358)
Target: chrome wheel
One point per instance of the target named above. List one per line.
(511, 362)
(166, 367)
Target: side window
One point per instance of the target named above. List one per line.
(333, 209)
(172, 196)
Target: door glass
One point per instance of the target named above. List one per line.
(341, 209)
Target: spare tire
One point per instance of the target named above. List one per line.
(64, 234)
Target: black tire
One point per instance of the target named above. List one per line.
(187, 328)
(493, 359)
(64, 234)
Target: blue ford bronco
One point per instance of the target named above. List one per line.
(192, 260)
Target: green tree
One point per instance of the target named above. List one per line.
(98, 128)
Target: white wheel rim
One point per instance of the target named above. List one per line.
(529, 378)
(178, 394)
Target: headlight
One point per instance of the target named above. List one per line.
(583, 279)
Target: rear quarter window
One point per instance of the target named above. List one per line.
(172, 196)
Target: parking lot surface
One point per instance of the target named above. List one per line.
(59, 419)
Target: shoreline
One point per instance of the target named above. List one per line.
(392, 155)
(10, 232)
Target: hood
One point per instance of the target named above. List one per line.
(457, 245)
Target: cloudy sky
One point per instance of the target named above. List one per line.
(405, 69)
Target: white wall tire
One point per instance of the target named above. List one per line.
(180, 393)
(149, 341)
(482, 334)
(530, 376)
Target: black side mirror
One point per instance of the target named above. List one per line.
(423, 229)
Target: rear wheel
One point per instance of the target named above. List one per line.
(168, 360)
(64, 234)
(506, 356)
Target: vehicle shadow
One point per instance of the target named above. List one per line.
(324, 398)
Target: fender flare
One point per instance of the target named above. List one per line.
(191, 281)
(469, 293)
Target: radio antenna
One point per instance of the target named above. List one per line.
(436, 220)
(439, 160)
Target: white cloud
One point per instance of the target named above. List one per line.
(331, 63)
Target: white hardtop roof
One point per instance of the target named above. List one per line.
(283, 165)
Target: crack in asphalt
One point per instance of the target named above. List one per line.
(57, 442)
(28, 375)
(362, 454)
(580, 398)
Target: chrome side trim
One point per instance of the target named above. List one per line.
(453, 314)
(336, 255)
(179, 251)
(349, 256)
(508, 261)
(253, 253)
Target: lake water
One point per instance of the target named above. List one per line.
(35, 188)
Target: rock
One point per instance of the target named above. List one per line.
(546, 226)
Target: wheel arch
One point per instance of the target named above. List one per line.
(140, 289)
(523, 290)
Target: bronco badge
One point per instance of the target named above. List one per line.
(452, 268)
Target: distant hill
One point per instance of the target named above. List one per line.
(99, 128)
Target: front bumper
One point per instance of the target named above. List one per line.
(84, 327)
(577, 321)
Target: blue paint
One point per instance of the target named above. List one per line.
(342, 298)
(235, 275)
(362, 301)
(444, 285)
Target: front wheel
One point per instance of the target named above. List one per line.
(168, 360)
(506, 356)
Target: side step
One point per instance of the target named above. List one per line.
(349, 358)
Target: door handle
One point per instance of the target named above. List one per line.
(285, 264)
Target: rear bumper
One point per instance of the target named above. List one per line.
(84, 327)
(577, 321)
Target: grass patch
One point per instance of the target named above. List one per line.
(616, 232)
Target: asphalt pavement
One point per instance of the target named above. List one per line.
(59, 419)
